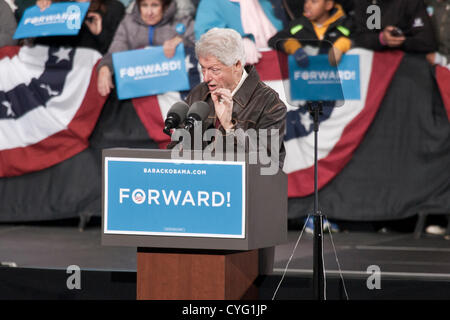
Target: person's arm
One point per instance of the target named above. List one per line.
(8, 27)
(105, 68)
(362, 36)
(119, 43)
(207, 17)
(340, 46)
(170, 46)
(270, 131)
(187, 37)
(278, 41)
(437, 58)
(421, 37)
(189, 34)
(270, 135)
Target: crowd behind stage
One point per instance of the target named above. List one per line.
(414, 26)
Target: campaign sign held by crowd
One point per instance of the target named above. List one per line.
(146, 72)
(322, 82)
(60, 19)
(174, 197)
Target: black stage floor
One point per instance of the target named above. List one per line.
(35, 258)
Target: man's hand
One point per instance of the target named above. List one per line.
(390, 40)
(43, 4)
(170, 46)
(223, 104)
(104, 81)
(431, 58)
(94, 23)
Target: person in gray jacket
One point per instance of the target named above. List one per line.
(151, 23)
(8, 24)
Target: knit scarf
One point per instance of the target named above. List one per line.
(255, 21)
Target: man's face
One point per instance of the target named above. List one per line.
(217, 75)
(317, 10)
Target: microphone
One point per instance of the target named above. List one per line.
(175, 116)
(197, 112)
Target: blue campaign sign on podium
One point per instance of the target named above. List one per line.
(174, 197)
(60, 19)
(322, 82)
(146, 72)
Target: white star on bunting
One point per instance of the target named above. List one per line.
(62, 54)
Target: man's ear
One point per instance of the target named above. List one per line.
(329, 4)
(238, 65)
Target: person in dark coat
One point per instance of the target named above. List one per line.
(405, 25)
(294, 8)
(324, 25)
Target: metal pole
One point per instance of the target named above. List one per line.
(318, 276)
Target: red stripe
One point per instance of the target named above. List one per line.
(9, 51)
(61, 145)
(149, 112)
(272, 66)
(384, 66)
(443, 81)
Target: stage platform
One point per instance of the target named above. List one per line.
(35, 258)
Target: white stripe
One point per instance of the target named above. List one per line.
(27, 64)
(300, 152)
(64, 107)
(166, 100)
(41, 122)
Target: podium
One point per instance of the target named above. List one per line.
(199, 226)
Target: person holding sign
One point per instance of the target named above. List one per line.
(151, 23)
(324, 23)
(97, 31)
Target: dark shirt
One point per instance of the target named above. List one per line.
(408, 15)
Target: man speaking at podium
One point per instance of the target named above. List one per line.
(238, 99)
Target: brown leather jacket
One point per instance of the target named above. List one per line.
(255, 106)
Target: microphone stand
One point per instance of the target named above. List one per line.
(315, 109)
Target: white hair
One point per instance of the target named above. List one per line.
(224, 44)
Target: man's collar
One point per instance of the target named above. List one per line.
(243, 77)
(245, 92)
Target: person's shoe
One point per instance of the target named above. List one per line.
(328, 225)
(436, 230)
(309, 228)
